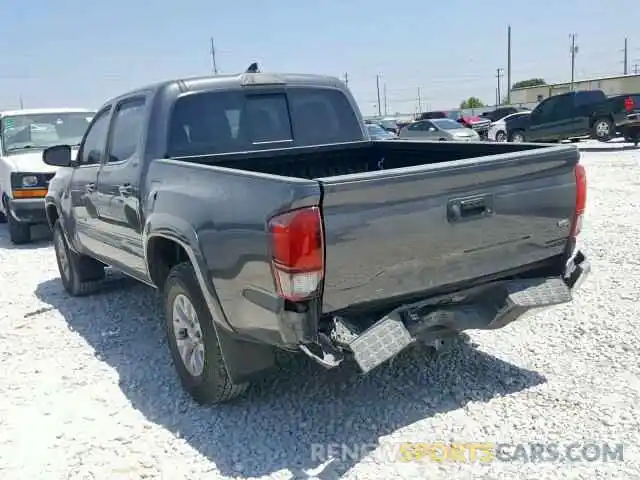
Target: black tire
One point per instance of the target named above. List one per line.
(83, 274)
(603, 129)
(517, 136)
(501, 136)
(19, 233)
(442, 139)
(575, 140)
(212, 384)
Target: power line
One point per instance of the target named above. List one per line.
(498, 76)
(509, 65)
(378, 90)
(574, 50)
(214, 65)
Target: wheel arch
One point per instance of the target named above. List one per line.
(242, 359)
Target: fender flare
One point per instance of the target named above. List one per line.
(242, 359)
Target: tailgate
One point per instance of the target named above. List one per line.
(404, 231)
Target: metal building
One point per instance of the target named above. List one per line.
(617, 85)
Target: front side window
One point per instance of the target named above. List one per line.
(96, 139)
(40, 131)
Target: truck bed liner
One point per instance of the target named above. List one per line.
(360, 157)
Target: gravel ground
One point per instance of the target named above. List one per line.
(88, 390)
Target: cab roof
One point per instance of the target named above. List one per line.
(222, 82)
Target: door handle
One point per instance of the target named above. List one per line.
(125, 189)
(468, 208)
(90, 187)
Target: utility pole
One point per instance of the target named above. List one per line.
(346, 79)
(509, 65)
(378, 90)
(214, 65)
(636, 69)
(419, 101)
(21, 103)
(498, 76)
(574, 50)
(386, 105)
(626, 56)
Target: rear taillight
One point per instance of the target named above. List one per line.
(581, 199)
(297, 248)
(629, 104)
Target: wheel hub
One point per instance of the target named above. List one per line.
(188, 335)
(602, 129)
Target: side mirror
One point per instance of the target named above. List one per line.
(57, 156)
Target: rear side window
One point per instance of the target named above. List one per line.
(322, 116)
(588, 98)
(224, 122)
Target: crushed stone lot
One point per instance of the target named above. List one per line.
(88, 390)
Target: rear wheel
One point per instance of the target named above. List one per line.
(517, 136)
(79, 273)
(602, 129)
(193, 341)
(501, 136)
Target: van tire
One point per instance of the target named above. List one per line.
(19, 233)
(208, 382)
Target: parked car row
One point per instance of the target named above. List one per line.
(568, 116)
(258, 238)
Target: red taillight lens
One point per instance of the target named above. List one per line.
(297, 247)
(629, 104)
(581, 199)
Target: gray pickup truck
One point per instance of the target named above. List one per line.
(259, 208)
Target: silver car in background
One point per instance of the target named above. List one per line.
(439, 129)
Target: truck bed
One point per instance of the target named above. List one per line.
(405, 217)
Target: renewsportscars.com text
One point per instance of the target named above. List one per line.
(468, 452)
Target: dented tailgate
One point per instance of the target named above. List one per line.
(395, 232)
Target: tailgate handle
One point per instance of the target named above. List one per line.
(468, 208)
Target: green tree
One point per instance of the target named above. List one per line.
(532, 82)
(471, 102)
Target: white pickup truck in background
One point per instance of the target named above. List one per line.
(24, 177)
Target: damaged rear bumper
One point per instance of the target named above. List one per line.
(487, 307)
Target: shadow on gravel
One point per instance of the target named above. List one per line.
(275, 425)
(40, 235)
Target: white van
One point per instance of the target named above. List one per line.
(24, 177)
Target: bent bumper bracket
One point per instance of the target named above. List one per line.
(490, 307)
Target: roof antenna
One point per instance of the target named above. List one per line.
(253, 68)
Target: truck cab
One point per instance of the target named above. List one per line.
(575, 115)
